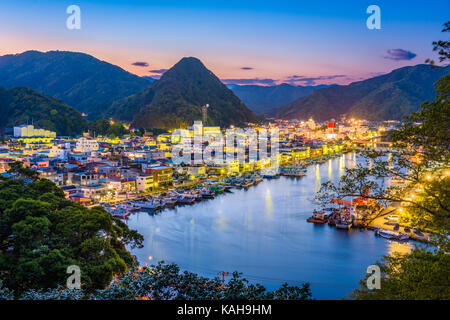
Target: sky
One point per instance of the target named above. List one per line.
(243, 42)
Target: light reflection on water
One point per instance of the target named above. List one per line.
(263, 233)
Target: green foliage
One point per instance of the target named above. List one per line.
(167, 282)
(386, 97)
(175, 100)
(78, 79)
(24, 105)
(421, 275)
(42, 233)
(442, 47)
(419, 157)
(105, 128)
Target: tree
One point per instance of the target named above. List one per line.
(442, 47)
(42, 233)
(419, 158)
(167, 282)
(421, 275)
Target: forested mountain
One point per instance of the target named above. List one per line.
(387, 97)
(23, 105)
(265, 99)
(80, 80)
(177, 98)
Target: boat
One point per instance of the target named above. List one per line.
(146, 205)
(207, 194)
(170, 202)
(317, 218)
(120, 213)
(344, 225)
(185, 199)
(392, 235)
(270, 176)
(228, 188)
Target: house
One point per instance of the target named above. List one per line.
(162, 175)
(145, 183)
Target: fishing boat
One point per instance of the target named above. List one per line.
(185, 199)
(270, 176)
(120, 213)
(207, 194)
(145, 205)
(344, 225)
(317, 218)
(228, 188)
(170, 202)
(391, 235)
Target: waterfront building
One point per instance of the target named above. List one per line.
(162, 175)
(145, 183)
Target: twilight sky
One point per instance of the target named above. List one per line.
(244, 42)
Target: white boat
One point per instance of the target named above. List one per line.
(392, 235)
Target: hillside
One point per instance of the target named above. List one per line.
(175, 100)
(387, 97)
(265, 99)
(23, 105)
(80, 80)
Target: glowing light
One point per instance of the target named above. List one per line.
(150, 257)
(428, 177)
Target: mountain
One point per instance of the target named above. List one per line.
(23, 105)
(264, 99)
(386, 97)
(176, 99)
(149, 79)
(80, 80)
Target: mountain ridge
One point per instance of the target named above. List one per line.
(386, 97)
(176, 100)
(20, 105)
(265, 99)
(84, 82)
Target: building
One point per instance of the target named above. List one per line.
(86, 145)
(162, 175)
(27, 130)
(145, 183)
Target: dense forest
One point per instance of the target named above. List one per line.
(82, 81)
(24, 105)
(387, 97)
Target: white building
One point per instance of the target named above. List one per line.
(28, 130)
(86, 145)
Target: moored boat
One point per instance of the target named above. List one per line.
(344, 225)
(317, 218)
(391, 235)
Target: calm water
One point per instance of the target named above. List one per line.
(262, 232)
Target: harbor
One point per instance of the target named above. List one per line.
(262, 231)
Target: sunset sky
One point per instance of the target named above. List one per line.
(244, 42)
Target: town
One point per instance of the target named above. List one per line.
(106, 171)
